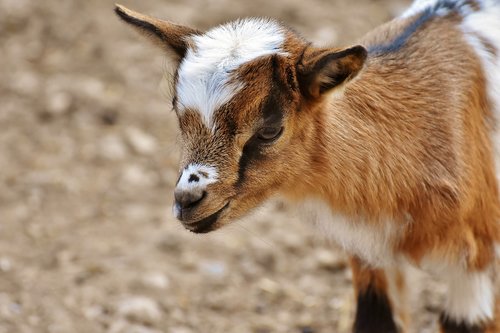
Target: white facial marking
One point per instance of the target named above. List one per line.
(204, 74)
(372, 243)
(195, 178)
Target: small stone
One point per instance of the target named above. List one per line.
(112, 147)
(269, 286)
(5, 264)
(215, 269)
(330, 260)
(325, 35)
(292, 241)
(109, 117)
(155, 280)
(141, 142)
(58, 103)
(93, 312)
(140, 309)
(136, 175)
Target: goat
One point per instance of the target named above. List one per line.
(390, 143)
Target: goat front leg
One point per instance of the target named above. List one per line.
(470, 304)
(374, 311)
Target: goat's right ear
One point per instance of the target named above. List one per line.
(169, 36)
(322, 70)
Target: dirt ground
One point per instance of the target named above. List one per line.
(88, 160)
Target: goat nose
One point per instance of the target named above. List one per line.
(188, 199)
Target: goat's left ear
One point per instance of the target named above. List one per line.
(171, 37)
(322, 70)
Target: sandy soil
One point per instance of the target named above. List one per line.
(87, 165)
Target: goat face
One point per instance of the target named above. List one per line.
(244, 96)
(236, 158)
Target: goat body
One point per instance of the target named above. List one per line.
(391, 144)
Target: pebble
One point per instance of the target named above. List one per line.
(141, 142)
(329, 260)
(325, 35)
(5, 264)
(137, 175)
(93, 312)
(269, 286)
(112, 147)
(215, 269)
(140, 309)
(156, 280)
(58, 103)
(292, 241)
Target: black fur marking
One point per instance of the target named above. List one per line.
(272, 114)
(449, 325)
(193, 178)
(151, 28)
(178, 178)
(447, 6)
(139, 23)
(251, 151)
(373, 314)
(335, 80)
(336, 75)
(401, 40)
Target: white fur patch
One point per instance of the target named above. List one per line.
(485, 24)
(470, 296)
(204, 73)
(195, 178)
(206, 175)
(440, 7)
(418, 6)
(372, 243)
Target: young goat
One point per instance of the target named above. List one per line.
(390, 144)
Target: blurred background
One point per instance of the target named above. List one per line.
(88, 161)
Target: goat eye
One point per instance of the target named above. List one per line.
(268, 134)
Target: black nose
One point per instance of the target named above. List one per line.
(188, 199)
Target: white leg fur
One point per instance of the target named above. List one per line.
(470, 297)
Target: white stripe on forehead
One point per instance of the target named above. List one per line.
(203, 82)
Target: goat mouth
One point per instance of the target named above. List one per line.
(206, 224)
